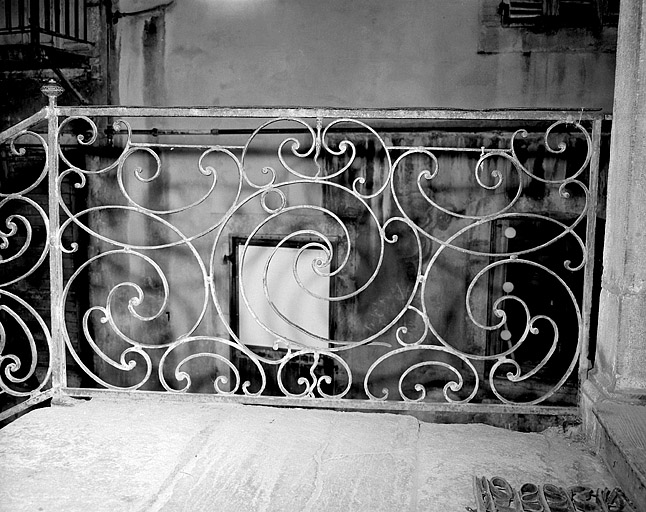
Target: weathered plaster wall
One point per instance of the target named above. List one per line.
(364, 53)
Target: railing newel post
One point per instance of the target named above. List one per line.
(59, 375)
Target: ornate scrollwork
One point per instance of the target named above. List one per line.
(452, 385)
(420, 297)
(18, 362)
(220, 380)
(25, 340)
(312, 386)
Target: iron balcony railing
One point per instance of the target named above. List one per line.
(60, 19)
(569, 13)
(390, 259)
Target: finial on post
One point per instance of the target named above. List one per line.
(52, 90)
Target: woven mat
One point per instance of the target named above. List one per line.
(497, 495)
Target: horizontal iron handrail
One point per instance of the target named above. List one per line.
(403, 113)
(14, 130)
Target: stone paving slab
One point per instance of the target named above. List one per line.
(623, 445)
(467, 450)
(141, 455)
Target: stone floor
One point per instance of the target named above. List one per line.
(623, 445)
(128, 455)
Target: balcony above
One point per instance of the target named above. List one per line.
(39, 34)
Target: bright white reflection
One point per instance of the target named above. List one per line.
(290, 299)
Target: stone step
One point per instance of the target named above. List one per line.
(159, 455)
(623, 445)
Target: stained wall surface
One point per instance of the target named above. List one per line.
(363, 53)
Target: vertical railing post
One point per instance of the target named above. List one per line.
(590, 242)
(34, 22)
(59, 375)
(8, 15)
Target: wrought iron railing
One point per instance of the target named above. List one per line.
(60, 19)
(380, 259)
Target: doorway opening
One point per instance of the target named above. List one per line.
(281, 304)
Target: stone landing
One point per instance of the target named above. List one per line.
(147, 455)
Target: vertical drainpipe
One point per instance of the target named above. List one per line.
(59, 376)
